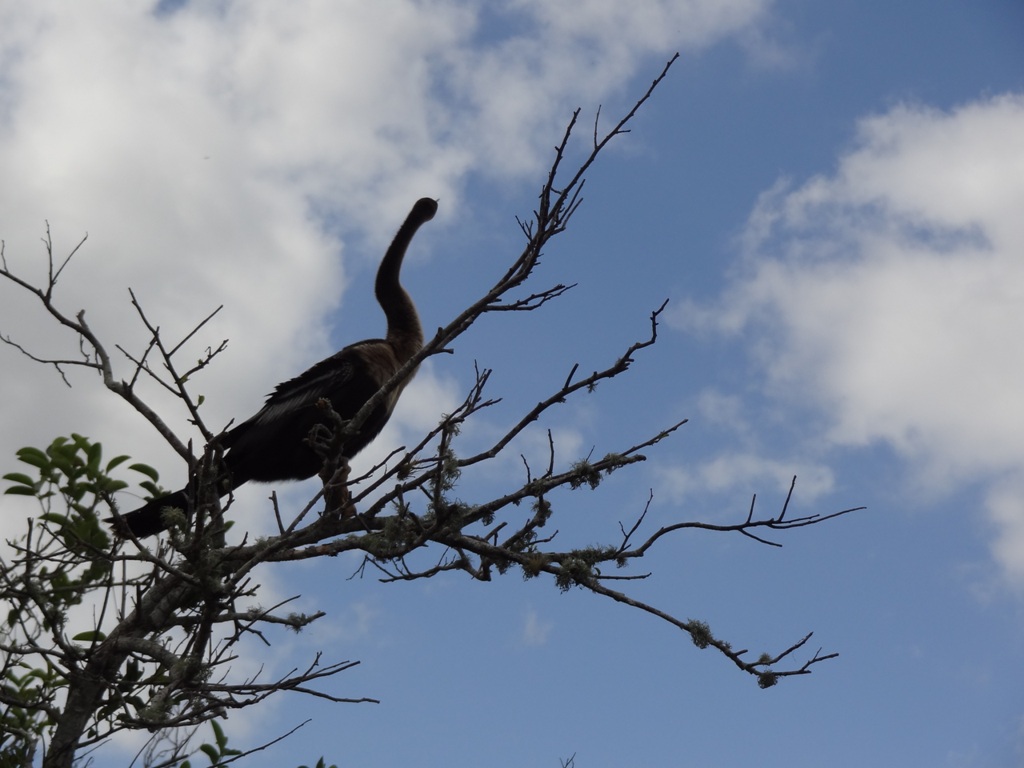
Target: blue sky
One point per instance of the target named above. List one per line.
(828, 194)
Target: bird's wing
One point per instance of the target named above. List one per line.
(324, 379)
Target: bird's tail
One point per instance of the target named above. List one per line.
(148, 520)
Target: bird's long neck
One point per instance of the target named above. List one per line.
(405, 334)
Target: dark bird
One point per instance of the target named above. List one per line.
(273, 445)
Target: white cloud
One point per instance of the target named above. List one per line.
(224, 153)
(748, 472)
(889, 295)
(687, 23)
(723, 408)
(535, 630)
(1005, 504)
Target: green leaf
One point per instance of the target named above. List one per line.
(90, 636)
(116, 462)
(34, 456)
(64, 460)
(146, 470)
(152, 489)
(56, 518)
(95, 454)
(18, 477)
(218, 734)
(211, 752)
(20, 490)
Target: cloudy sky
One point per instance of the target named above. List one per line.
(830, 195)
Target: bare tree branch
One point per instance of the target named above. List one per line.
(169, 620)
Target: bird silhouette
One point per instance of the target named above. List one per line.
(274, 444)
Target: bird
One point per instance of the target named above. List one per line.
(274, 444)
